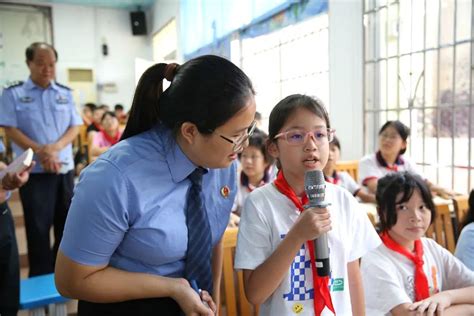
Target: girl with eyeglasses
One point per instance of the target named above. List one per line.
(275, 241)
(107, 137)
(410, 274)
(256, 166)
(148, 216)
(390, 158)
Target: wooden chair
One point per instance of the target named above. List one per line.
(461, 207)
(349, 166)
(83, 138)
(233, 281)
(442, 228)
(372, 219)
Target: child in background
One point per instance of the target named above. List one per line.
(108, 136)
(409, 272)
(391, 158)
(465, 245)
(275, 241)
(255, 171)
(342, 178)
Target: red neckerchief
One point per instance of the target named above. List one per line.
(399, 161)
(421, 282)
(112, 139)
(97, 126)
(244, 181)
(320, 284)
(334, 179)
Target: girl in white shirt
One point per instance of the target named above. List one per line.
(410, 273)
(390, 158)
(256, 165)
(275, 241)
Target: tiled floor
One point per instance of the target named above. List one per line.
(17, 212)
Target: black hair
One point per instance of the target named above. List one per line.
(390, 186)
(282, 111)
(469, 218)
(109, 113)
(259, 140)
(402, 130)
(258, 116)
(207, 91)
(335, 142)
(90, 105)
(118, 107)
(30, 50)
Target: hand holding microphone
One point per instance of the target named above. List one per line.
(315, 187)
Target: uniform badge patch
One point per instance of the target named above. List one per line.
(26, 99)
(62, 99)
(225, 191)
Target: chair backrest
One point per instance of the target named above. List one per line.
(233, 281)
(442, 228)
(83, 138)
(349, 166)
(461, 207)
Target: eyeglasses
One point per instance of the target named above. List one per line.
(298, 137)
(390, 136)
(240, 140)
(244, 157)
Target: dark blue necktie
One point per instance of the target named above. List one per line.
(198, 256)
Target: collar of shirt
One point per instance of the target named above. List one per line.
(30, 85)
(179, 164)
(398, 162)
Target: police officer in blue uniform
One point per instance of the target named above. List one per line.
(40, 114)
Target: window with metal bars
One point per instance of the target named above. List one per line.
(418, 68)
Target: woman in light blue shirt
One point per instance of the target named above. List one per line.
(125, 244)
(465, 245)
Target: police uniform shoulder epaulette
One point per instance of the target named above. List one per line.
(13, 84)
(63, 86)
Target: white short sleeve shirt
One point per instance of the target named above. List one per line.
(370, 168)
(388, 276)
(267, 217)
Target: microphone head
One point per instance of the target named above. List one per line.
(314, 186)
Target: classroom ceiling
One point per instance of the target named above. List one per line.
(118, 4)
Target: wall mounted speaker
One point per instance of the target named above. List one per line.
(137, 19)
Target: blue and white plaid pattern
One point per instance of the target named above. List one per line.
(298, 290)
(298, 269)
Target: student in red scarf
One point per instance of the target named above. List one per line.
(108, 136)
(390, 157)
(343, 178)
(275, 245)
(409, 268)
(255, 170)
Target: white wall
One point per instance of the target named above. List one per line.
(345, 74)
(162, 12)
(78, 35)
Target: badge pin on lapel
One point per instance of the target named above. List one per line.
(225, 191)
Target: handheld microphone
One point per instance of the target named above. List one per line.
(314, 186)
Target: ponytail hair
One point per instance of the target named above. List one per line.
(144, 111)
(206, 91)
